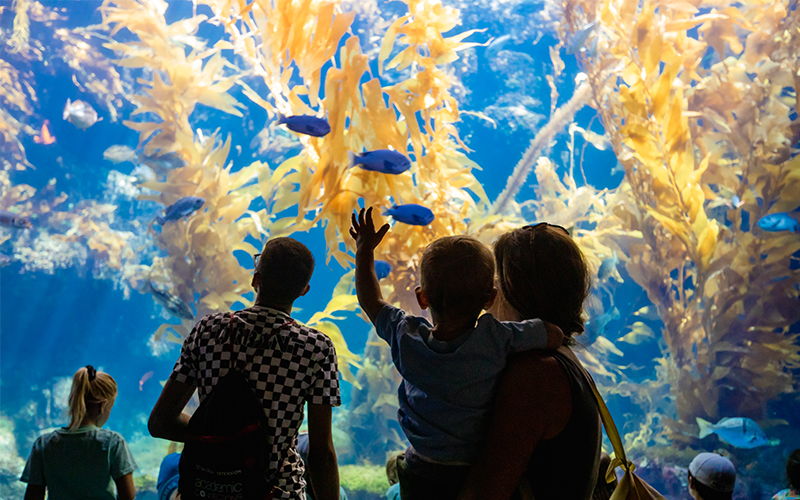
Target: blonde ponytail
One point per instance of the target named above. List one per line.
(90, 388)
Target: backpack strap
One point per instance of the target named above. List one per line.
(228, 345)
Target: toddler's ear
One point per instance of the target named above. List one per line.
(422, 300)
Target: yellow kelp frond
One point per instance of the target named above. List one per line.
(342, 300)
(13, 157)
(18, 43)
(93, 72)
(179, 81)
(11, 90)
(677, 128)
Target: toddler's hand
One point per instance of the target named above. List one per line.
(555, 337)
(363, 231)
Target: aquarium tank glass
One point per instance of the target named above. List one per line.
(663, 134)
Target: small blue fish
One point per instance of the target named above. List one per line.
(305, 124)
(382, 269)
(608, 267)
(579, 40)
(7, 219)
(596, 326)
(385, 161)
(181, 208)
(780, 221)
(415, 215)
(738, 432)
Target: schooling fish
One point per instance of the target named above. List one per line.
(80, 114)
(7, 219)
(385, 161)
(382, 269)
(579, 40)
(596, 327)
(45, 137)
(415, 215)
(175, 305)
(780, 221)
(181, 208)
(738, 432)
(6, 260)
(305, 124)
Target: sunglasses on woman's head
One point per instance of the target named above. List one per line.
(535, 226)
(256, 257)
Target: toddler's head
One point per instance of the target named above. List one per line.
(92, 394)
(457, 277)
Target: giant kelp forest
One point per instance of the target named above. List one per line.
(697, 99)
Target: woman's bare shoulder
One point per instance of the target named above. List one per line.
(540, 384)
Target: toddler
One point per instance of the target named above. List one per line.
(450, 368)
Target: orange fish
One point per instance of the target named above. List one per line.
(45, 138)
(147, 376)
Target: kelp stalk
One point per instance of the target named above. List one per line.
(561, 117)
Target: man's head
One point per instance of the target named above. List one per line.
(283, 272)
(457, 278)
(711, 477)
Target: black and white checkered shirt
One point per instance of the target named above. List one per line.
(288, 364)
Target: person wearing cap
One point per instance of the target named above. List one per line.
(711, 477)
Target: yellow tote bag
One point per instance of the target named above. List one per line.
(630, 487)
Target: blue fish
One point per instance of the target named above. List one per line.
(382, 269)
(180, 208)
(608, 267)
(305, 124)
(738, 432)
(780, 221)
(172, 303)
(385, 161)
(597, 326)
(579, 40)
(7, 219)
(415, 215)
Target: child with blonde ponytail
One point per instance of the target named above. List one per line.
(82, 460)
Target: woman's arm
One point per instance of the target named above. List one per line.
(534, 402)
(125, 488)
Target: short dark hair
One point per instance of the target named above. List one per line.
(793, 470)
(457, 276)
(706, 493)
(284, 270)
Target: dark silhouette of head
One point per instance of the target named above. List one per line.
(542, 273)
(283, 272)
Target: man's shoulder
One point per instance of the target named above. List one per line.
(310, 336)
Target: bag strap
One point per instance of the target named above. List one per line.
(619, 460)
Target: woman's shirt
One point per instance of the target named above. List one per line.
(789, 494)
(80, 464)
(566, 466)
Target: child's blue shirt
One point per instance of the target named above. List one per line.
(445, 398)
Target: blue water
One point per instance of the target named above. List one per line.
(52, 324)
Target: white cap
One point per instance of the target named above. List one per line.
(714, 471)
